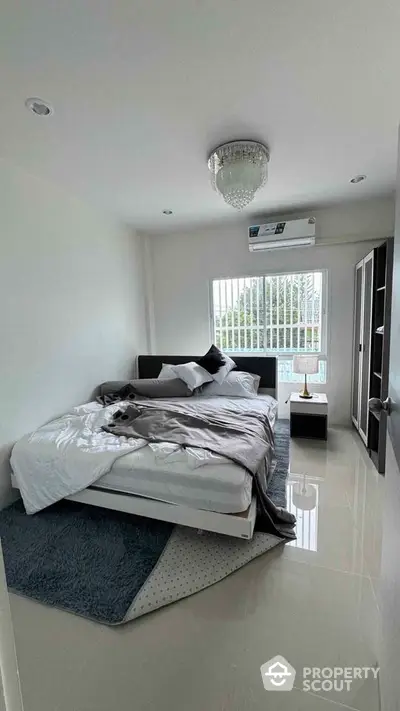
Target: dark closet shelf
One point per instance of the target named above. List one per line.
(372, 305)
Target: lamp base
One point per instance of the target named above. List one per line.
(305, 394)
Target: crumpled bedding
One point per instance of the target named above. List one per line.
(72, 452)
(246, 439)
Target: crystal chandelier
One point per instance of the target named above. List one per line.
(238, 169)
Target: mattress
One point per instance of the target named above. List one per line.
(188, 476)
(224, 487)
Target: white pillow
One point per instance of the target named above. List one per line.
(236, 384)
(167, 372)
(191, 373)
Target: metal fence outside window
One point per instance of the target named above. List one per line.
(277, 314)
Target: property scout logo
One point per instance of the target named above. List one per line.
(278, 675)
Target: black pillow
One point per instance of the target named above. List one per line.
(213, 360)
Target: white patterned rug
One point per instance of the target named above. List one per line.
(191, 561)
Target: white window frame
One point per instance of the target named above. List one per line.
(322, 353)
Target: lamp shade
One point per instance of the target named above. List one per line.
(305, 365)
(304, 496)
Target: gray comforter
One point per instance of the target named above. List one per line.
(244, 438)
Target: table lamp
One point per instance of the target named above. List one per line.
(305, 365)
(304, 495)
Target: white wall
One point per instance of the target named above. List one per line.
(72, 305)
(184, 263)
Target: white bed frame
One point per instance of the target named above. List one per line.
(239, 525)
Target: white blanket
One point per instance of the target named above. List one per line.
(67, 455)
(72, 452)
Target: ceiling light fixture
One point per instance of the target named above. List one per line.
(167, 212)
(38, 107)
(238, 169)
(358, 179)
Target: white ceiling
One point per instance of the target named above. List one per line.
(144, 89)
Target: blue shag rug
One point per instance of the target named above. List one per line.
(94, 562)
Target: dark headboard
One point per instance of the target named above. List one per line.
(149, 366)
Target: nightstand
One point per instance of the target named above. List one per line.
(309, 418)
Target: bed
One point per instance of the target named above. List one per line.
(187, 486)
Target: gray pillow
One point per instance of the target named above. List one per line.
(147, 387)
(155, 387)
(112, 386)
(236, 384)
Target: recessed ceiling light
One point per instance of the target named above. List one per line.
(358, 179)
(38, 107)
(167, 212)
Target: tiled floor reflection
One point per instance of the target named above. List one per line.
(302, 501)
(336, 494)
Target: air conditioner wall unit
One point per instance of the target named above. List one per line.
(282, 235)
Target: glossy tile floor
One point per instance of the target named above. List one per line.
(313, 601)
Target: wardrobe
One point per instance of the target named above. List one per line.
(372, 306)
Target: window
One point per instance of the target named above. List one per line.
(279, 314)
